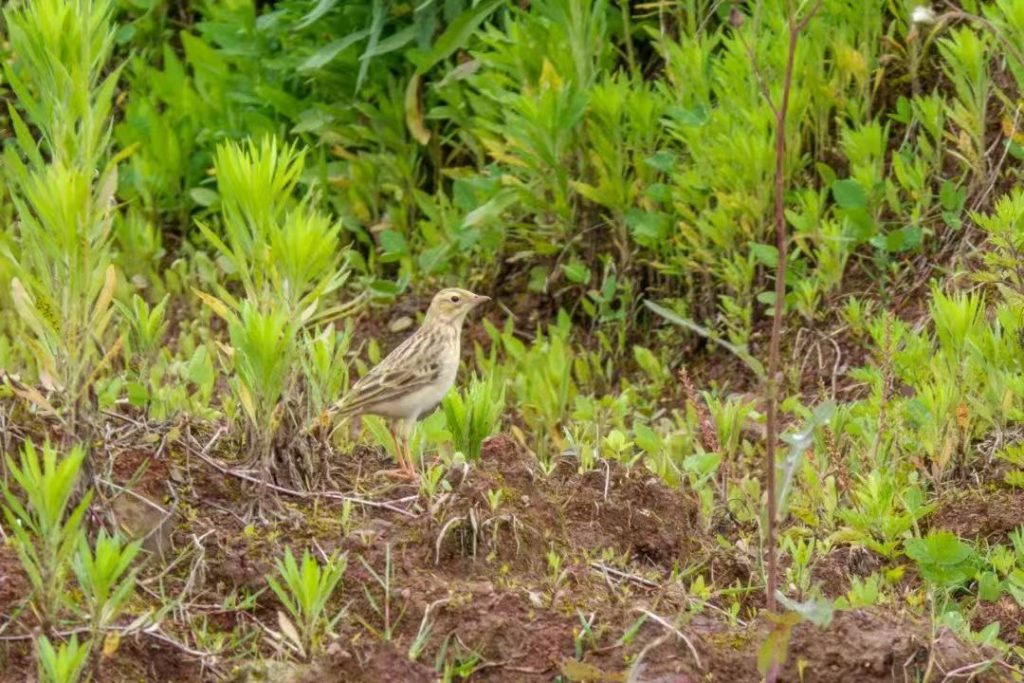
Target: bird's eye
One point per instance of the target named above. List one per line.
(455, 299)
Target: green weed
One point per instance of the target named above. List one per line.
(304, 590)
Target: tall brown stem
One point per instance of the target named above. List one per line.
(772, 379)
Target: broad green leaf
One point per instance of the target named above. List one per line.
(663, 160)
(849, 194)
(648, 227)
(457, 34)
(938, 547)
(331, 50)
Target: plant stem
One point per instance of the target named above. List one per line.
(772, 380)
(626, 30)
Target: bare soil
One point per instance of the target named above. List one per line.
(494, 599)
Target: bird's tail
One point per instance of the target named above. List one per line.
(325, 417)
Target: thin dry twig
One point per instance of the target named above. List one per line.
(332, 495)
(672, 629)
(633, 578)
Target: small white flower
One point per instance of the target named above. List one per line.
(923, 14)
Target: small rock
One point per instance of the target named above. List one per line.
(177, 476)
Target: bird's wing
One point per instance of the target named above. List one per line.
(394, 377)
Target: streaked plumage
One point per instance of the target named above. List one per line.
(413, 378)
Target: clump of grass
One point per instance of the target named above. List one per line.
(286, 255)
(63, 189)
(106, 584)
(62, 664)
(51, 542)
(473, 414)
(45, 533)
(304, 590)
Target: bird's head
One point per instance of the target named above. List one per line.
(452, 305)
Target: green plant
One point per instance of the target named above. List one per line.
(45, 525)
(286, 255)
(801, 553)
(965, 54)
(325, 365)
(283, 251)
(494, 500)
(63, 664)
(616, 445)
(105, 582)
(942, 558)
(383, 607)
(263, 350)
(578, 439)
(473, 414)
(539, 378)
(304, 590)
(879, 516)
(584, 636)
(146, 326)
(144, 334)
(63, 189)
(1004, 259)
(432, 481)
(864, 592)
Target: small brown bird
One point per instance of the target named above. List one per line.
(413, 378)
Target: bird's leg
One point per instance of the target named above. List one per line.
(410, 462)
(401, 470)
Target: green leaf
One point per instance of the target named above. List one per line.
(490, 210)
(648, 227)
(766, 254)
(938, 547)
(689, 116)
(739, 351)
(393, 243)
(331, 50)
(659, 192)
(952, 197)
(138, 395)
(899, 240)
(577, 272)
(663, 160)
(818, 611)
(772, 652)
(849, 194)
(204, 196)
(457, 34)
(988, 587)
(320, 9)
(396, 41)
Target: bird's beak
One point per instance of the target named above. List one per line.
(481, 299)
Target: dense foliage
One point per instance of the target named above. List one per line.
(211, 209)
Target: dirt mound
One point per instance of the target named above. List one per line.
(369, 664)
(990, 513)
(859, 646)
(628, 510)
